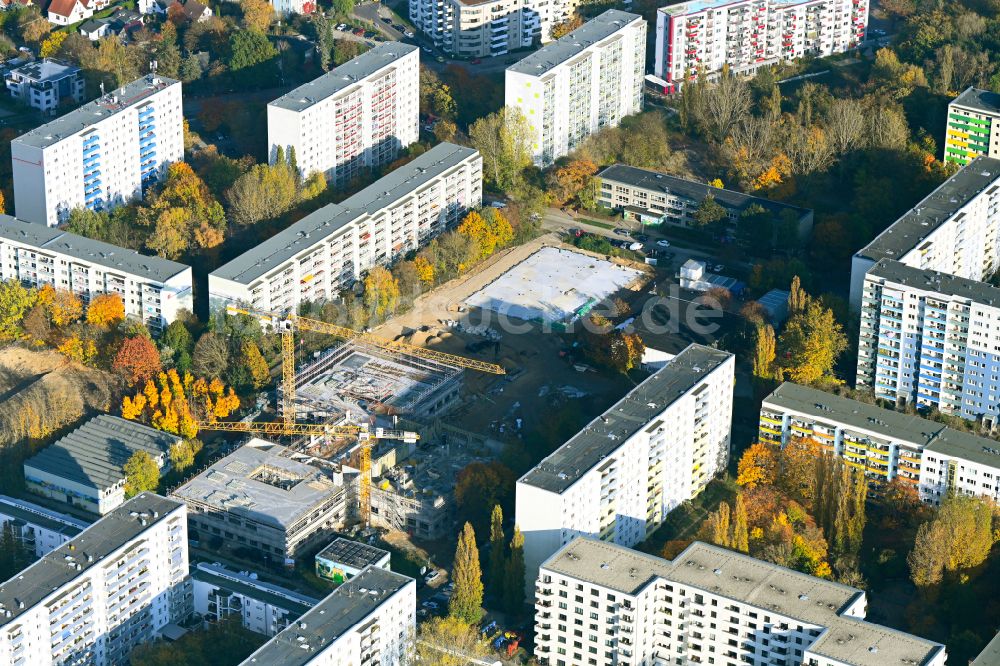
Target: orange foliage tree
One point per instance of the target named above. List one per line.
(106, 310)
(137, 360)
(177, 404)
(62, 306)
(758, 466)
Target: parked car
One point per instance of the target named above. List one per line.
(635, 246)
(663, 243)
(432, 576)
(426, 49)
(476, 61)
(623, 232)
(430, 605)
(440, 58)
(398, 27)
(642, 238)
(498, 204)
(718, 268)
(386, 19)
(409, 33)
(359, 31)
(342, 27)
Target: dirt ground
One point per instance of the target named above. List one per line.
(493, 403)
(42, 392)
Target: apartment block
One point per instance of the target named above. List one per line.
(353, 119)
(952, 230)
(972, 117)
(94, 598)
(100, 155)
(370, 619)
(580, 83)
(37, 529)
(330, 249)
(704, 36)
(650, 197)
(477, 29)
(602, 604)
(154, 290)
(46, 84)
(262, 608)
(619, 477)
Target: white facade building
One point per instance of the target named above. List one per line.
(356, 117)
(93, 599)
(331, 248)
(154, 290)
(370, 619)
(589, 79)
(619, 477)
(703, 36)
(101, 155)
(480, 29)
(46, 84)
(39, 530)
(605, 605)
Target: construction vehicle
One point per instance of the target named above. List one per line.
(287, 325)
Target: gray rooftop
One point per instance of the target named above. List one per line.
(602, 436)
(906, 233)
(88, 549)
(354, 554)
(964, 445)
(333, 617)
(341, 78)
(573, 44)
(46, 70)
(94, 112)
(937, 282)
(93, 455)
(990, 656)
(230, 485)
(660, 182)
(86, 249)
(983, 101)
(34, 514)
(333, 218)
(748, 580)
(273, 595)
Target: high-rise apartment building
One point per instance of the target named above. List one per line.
(101, 155)
(970, 131)
(370, 619)
(619, 477)
(356, 117)
(601, 604)
(154, 290)
(328, 250)
(582, 82)
(94, 598)
(704, 36)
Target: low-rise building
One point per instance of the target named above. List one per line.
(328, 250)
(619, 477)
(154, 290)
(969, 131)
(46, 84)
(369, 619)
(91, 600)
(37, 529)
(344, 559)
(707, 605)
(84, 468)
(261, 499)
(960, 463)
(263, 608)
(655, 198)
(694, 275)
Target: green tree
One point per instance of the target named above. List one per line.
(262, 193)
(178, 339)
(498, 560)
(467, 598)
(15, 301)
(504, 140)
(141, 474)
(249, 48)
(710, 213)
(182, 454)
(324, 38)
(479, 487)
(514, 585)
(13, 555)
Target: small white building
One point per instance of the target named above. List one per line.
(370, 619)
(39, 530)
(344, 559)
(46, 84)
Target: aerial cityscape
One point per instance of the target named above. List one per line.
(500, 333)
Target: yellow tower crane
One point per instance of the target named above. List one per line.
(287, 325)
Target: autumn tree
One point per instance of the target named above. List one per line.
(256, 366)
(450, 641)
(445, 130)
(569, 177)
(504, 140)
(62, 306)
(182, 216)
(959, 537)
(797, 297)
(381, 293)
(741, 531)
(466, 602)
(498, 560)
(567, 26)
(137, 360)
(763, 353)
(141, 474)
(176, 403)
(105, 310)
(262, 193)
(840, 493)
(257, 14)
(757, 466)
(424, 269)
(811, 343)
(489, 229)
(211, 355)
(514, 586)
(719, 531)
(182, 454)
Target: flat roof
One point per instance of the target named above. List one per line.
(273, 595)
(68, 562)
(602, 436)
(94, 112)
(990, 656)
(343, 77)
(742, 578)
(977, 99)
(86, 249)
(93, 455)
(333, 617)
(936, 281)
(655, 181)
(557, 52)
(934, 210)
(243, 483)
(34, 514)
(46, 69)
(354, 554)
(332, 218)
(964, 445)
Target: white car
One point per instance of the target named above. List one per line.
(498, 204)
(663, 243)
(409, 33)
(432, 576)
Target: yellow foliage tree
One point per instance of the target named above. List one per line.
(176, 404)
(52, 44)
(758, 466)
(81, 351)
(106, 310)
(63, 306)
(133, 407)
(424, 269)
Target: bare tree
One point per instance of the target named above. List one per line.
(726, 104)
(808, 149)
(845, 126)
(886, 125)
